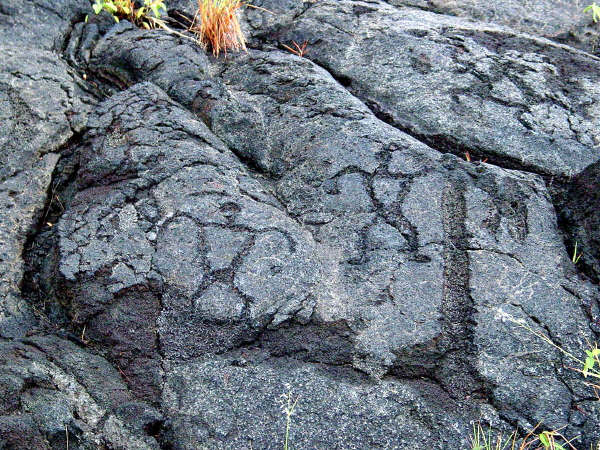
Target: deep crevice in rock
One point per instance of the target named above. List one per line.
(571, 208)
(38, 285)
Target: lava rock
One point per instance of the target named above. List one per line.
(529, 101)
(236, 229)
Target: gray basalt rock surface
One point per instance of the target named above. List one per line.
(544, 17)
(460, 85)
(54, 391)
(42, 106)
(561, 20)
(185, 238)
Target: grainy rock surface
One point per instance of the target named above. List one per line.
(42, 106)
(461, 85)
(544, 17)
(186, 238)
(561, 20)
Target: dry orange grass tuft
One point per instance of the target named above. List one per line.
(216, 25)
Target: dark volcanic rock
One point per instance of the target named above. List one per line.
(333, 404)
(41, 107)
(40, 24)
(235, 229)
(52, 388)
(543, 17)
(522, 101)
(581, 212)
(172, 233)
(561, 20)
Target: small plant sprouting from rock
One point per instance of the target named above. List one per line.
(216, 25)
(300, 50)
(145, 16)
(576, 256)
(590, 367)
(595, 10)
(546, 440)
(288, 404)
(481, 441)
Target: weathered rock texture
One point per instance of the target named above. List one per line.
(185, 238)
(544, 17)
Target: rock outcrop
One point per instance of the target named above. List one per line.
(185, 238)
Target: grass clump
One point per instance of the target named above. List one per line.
(546, 440)
(482, 441)
(145, 16)
(216, 25)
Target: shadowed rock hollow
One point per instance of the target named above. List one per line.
(184, 238)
